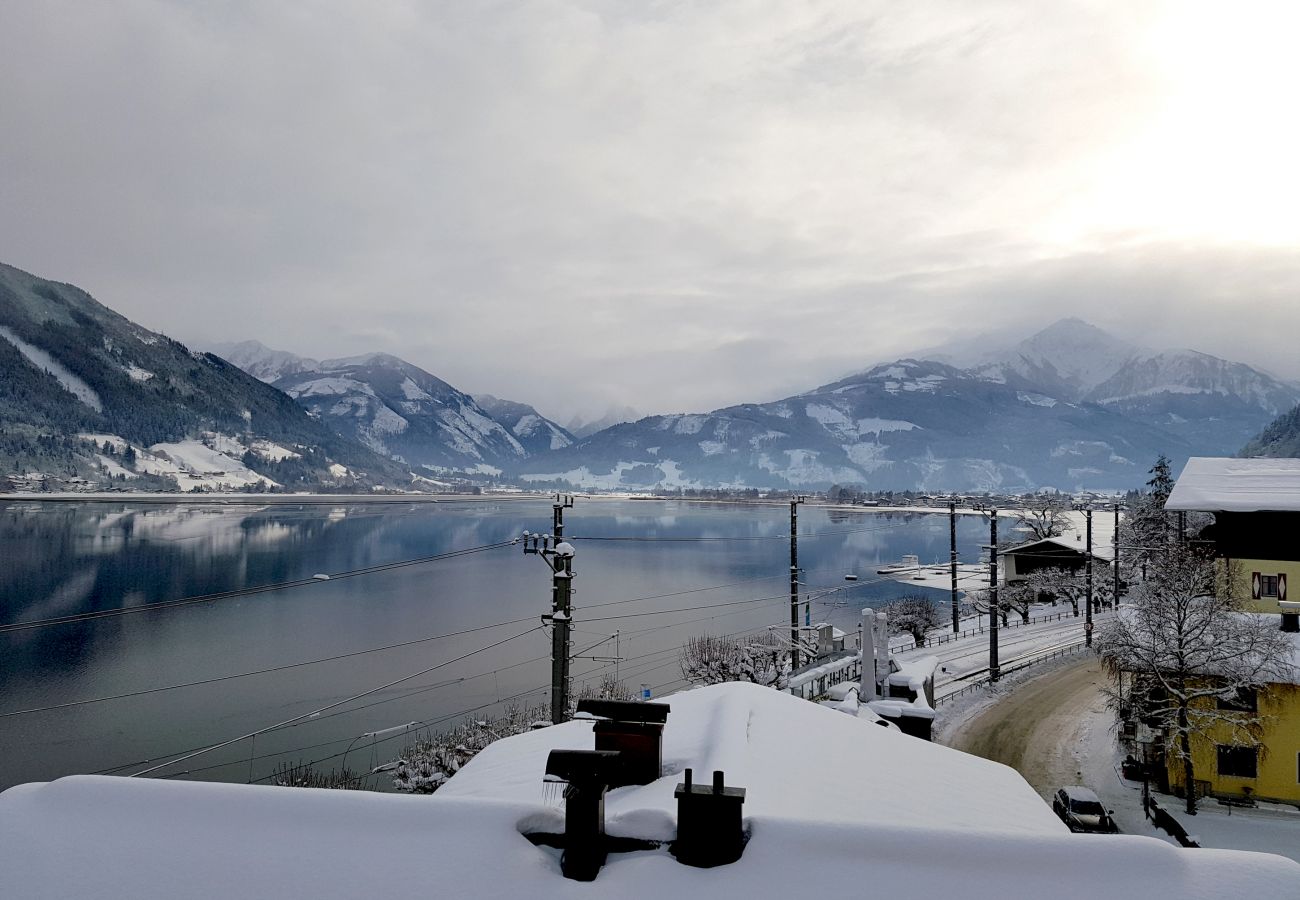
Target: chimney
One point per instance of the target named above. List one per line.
(1290, 615)
(709, 828)
(867, 688)
(589, 774)
(636, 730)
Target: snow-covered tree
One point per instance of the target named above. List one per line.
(913, 615)
(425, 765)
(763, 660)
(1071, 586)
(1044, 517)
(979, 602)
(1182, 645)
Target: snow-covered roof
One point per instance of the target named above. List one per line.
(1043, 547)
(1215, 484)
(835, 806)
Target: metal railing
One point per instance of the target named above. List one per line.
(939, 639)
(1016, 666)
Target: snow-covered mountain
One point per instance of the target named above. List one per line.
(1216, 405)
(1280, 438)
(615, 415)
(86, 393)
(536, 433)
(262, 362)
(1067, 359)
(1069, 407)
(401, 411)
(912, 423)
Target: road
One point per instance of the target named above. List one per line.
(1042, 729)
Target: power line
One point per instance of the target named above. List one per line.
(245, 592)
(333, 705)
(282, 668)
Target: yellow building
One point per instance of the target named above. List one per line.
(1268, 772)
(1256, 531)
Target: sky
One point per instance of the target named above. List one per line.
(672, 206)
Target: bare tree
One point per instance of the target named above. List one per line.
(763, 660)
(1183, 649)
(1045, 517)
(914, 615)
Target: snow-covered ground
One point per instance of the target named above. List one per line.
(1271, 828)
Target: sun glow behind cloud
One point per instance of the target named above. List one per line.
(1219, 159)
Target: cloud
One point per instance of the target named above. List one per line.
(668, 205)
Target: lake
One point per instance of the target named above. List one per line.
(656, 572)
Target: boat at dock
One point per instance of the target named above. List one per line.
(910, 563)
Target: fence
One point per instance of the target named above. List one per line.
(1016, 666)
(938, 639)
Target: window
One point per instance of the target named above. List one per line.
(1238, 762)
(1245, 700)
(1268, 585)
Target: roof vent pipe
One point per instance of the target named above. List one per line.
(589, 774)
(709, 827)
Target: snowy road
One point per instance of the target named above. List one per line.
(1055, 729)
(1038, 728)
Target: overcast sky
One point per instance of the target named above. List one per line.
(673, 206)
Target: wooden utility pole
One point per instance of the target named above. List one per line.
(1087, 623)
(952, 551)
(558, 556)
(794, 581)
(994, 669)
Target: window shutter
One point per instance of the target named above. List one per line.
(1281, 586)
(1254, 585)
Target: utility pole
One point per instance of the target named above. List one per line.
(558, 556)
(994, 668)
(952, 549)
(1114, 542)
(794, 581)
(1087, 623)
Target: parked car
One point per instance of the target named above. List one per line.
(1080, 809)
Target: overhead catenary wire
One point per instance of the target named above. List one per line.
(333, 705)
(271, 669)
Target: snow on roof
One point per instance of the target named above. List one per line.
(796, 759)
(834, 805)
(1100, 549)
(1214, 484)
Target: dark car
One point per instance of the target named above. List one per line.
(1080, 809)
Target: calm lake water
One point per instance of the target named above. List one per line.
(67, 558)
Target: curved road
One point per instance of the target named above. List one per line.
(1043, 727)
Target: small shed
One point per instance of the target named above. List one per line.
(1047, 553)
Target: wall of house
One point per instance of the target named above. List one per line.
(1278, 767)
(1242, 587)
